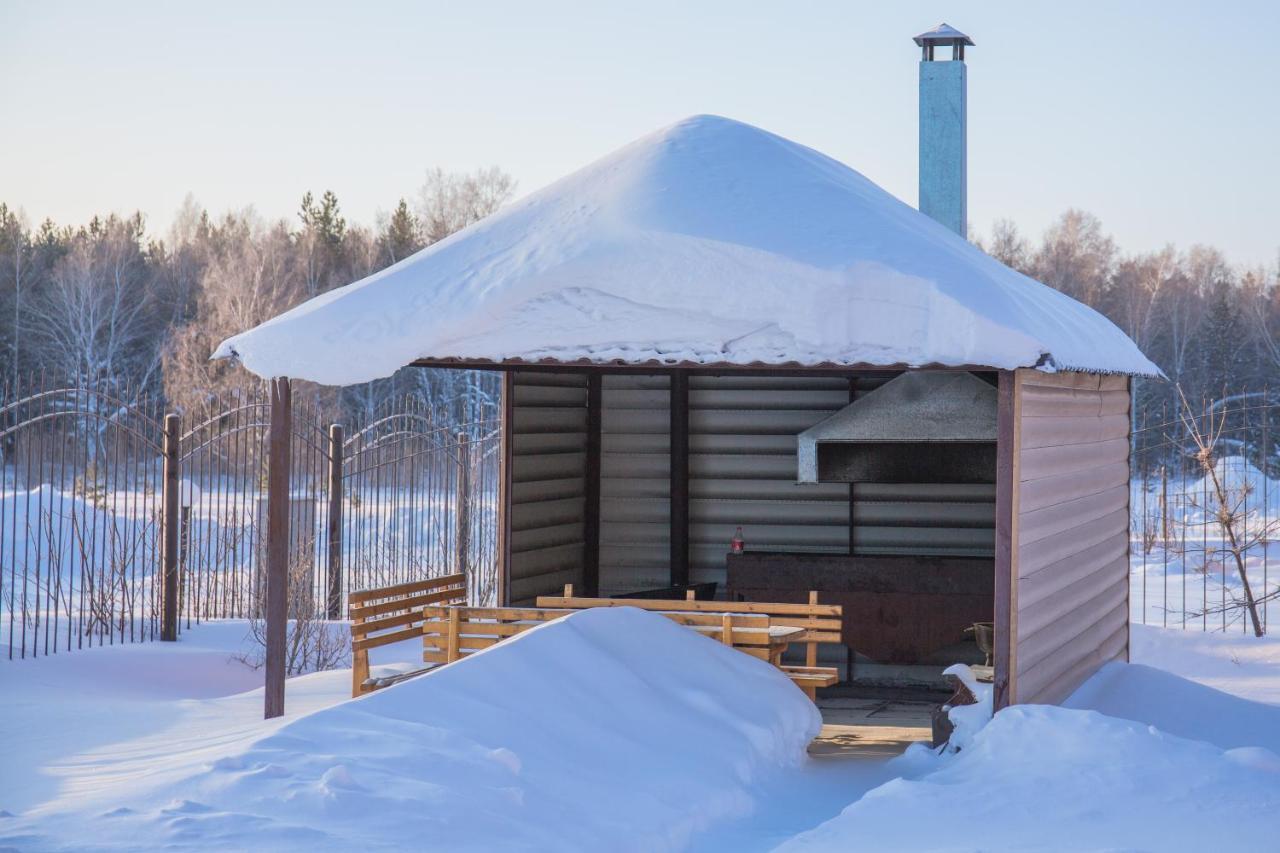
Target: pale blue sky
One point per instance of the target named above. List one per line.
(1161, 118)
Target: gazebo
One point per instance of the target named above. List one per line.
(715, 328)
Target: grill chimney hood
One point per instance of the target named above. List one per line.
(920, 427)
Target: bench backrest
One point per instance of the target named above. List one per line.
(450, 633)
(390, 614)
(822, 621)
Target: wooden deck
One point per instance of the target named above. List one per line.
(870, 728)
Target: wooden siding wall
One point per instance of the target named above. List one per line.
(548, 483)
(1071, 530)
(635, 484)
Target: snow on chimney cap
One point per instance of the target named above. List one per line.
(943, 35)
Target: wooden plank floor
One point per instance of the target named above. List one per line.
(870, 728)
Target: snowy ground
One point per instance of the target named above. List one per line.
(583, 735)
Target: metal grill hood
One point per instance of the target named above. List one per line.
(922, 426)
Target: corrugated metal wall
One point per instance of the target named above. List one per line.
(1071, 534)
(548, 482)
(742, 466)
(635, 483)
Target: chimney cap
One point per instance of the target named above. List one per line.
(943, 35)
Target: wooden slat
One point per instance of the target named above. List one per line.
(1054, 684)
(1052, 432)
(383, 623)
(385, 639)
(1057, 403)
(363, 595)
(1034, 526)
(1077, 629)
(1045, 462)
(1053, 549)
(1106, 585)
(770, 608)
(1059, 489)
(1053, 578)
(1076, 379)
(444, 596)
(512, 614)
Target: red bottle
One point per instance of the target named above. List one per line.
(736, 545)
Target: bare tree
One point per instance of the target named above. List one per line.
(1227, 504)
(450, 201)
(92, 319)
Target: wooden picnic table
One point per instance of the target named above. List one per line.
(780, 637)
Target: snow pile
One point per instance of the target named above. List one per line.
(1237, 663)
(610, 729)
(1180, 707)
(1045, 778)
(968, 720)
(709, 241)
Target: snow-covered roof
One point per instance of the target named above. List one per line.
(706, 242)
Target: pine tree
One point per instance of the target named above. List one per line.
(402, 236)
(1222, 335)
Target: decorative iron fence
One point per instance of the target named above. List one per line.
(372, 500)
(1205, 507)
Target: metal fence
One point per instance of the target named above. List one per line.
(1205, 506)
(373, 500)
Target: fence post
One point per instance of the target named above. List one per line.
(335, 521)
(169, 526)
(462, 517)
(278, 466)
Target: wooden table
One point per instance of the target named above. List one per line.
(780, 637)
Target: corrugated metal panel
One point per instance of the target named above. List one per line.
(548, 468)
(742, 463)
(635, 482)
(742, 472)
(1071, 592)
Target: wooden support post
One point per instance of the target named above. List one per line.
(853, 499)
(359, 664)
(334, 532)
(726, 629)
(504, 488)
(811, 649)
(451, 640)
(1006, 473)
(169, 526)
(679, 478)
(462, 505)
(278, 467)
(591, 513)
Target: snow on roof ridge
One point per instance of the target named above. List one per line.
(705, 241)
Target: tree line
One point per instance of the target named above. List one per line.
(1212, 326)
(117, 307)
(132, 314)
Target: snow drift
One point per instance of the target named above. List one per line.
(610, 729)
(709, 241)
(1044, 778)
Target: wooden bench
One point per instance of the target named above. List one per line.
(391, 614)
(452, 633)
(821, 623)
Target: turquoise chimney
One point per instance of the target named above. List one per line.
(943, 119)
